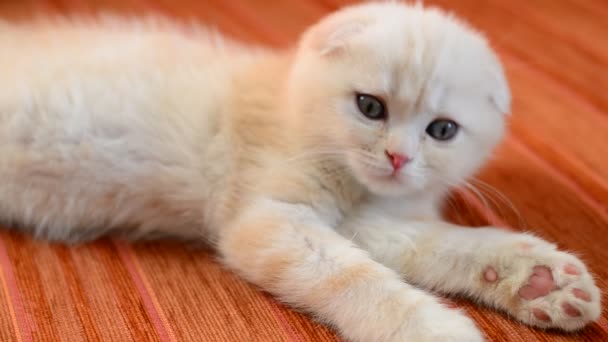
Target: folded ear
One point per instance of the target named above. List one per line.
(331, 35)
(502, 102)
(501, 94)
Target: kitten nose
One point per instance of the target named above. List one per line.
(397, 160)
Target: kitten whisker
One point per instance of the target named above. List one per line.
(501, 198)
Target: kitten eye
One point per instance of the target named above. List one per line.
(442, 129)
(371, 107)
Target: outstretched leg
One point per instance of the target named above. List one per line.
(287, 250)
(519, 273)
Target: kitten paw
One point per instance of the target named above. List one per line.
(543, 287)
(437, 323)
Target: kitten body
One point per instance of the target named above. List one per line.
(146, 130)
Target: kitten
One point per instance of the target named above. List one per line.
(316, 173)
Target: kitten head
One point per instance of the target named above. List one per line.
(410, 98)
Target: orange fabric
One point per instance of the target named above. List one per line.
(552, 168)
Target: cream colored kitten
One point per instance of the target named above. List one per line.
(317, 174)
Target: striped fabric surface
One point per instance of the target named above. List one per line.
(549, 177)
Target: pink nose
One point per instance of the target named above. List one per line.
(397, 160)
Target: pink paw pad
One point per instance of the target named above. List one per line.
(571, 270)
(541, 315)
(490, 274)
(539, 284)
(571, 310)
(582, 295)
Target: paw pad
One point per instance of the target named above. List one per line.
(571, 270)
(490, 274)
(541, 315)
(582, 295)
(539, 284)
(571, 310)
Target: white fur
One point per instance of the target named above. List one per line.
(146, 129)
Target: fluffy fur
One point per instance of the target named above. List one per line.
(148, 129)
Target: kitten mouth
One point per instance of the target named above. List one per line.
(393, 177)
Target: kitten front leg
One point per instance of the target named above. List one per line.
(290, 252)
(519, 273)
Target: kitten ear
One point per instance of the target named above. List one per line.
(337, 40)
(501, 99)
(331, 35)
(501, 94)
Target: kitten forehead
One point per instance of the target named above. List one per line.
(412, 51)
(426, 53)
